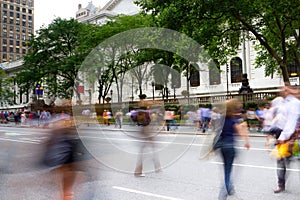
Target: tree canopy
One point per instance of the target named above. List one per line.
(221, 25)
(55, 55)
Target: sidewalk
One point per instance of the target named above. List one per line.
(182, 129)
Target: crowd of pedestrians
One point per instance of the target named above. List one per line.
(279, 119)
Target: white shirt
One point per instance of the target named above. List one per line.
(292, 109)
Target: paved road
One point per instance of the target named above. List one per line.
(110, 176)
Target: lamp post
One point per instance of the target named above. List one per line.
(227, 71)
(174, 92)
(153, 85)
(111, 95)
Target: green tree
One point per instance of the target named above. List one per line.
(6, 93)
(221, 25)
(55, 56)
(111, 59)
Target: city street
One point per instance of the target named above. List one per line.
(110, 174)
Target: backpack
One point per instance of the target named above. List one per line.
(143, 118)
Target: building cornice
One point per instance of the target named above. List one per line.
(111, 4)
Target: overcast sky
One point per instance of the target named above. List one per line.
(46, 11)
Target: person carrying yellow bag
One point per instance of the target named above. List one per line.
(288, 135)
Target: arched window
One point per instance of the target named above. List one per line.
(214, 74)
(194, 77)
(236, 70)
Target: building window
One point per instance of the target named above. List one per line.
(24, 10)
(4, 56)
(17, 36)
(17, 1)
(18, 29)
(214, 74)
(236, 70)
(11, 56)
(17, 43)
(4, 5)
(11, 7)
(23, 51)
(17, 8)
(11, 1)
(4, 20)
(4, 13)
(11, 42)
(11, 14)
(4, 41)
(11, 49)
(4, 48)
(11, 28)
(194, 76)
(17, 50)
(30, 24)
(24, 2)
(23, 23)
(4, 26)
(29, 11)
(29, 17)
(11, 35)
(17, 22)
(11, 21)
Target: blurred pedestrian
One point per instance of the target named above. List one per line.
(230, 130)
(205, 117)
(118, 118)
(86, 113)
(288, 134)
(215, 116)
(260, 117)
(147, 137)
(63, 153)
(275, 114)
(105, 118)
(23, 118)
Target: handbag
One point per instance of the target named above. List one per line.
(58, 152)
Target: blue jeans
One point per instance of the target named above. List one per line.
(228, 154)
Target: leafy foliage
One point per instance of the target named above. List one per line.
(221, 25)
(6, 94)
(54, 57)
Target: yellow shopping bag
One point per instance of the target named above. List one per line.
(281, 151)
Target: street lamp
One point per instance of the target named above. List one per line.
(111, 95)
(153, 85)
(174, 91)
(227, 71)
